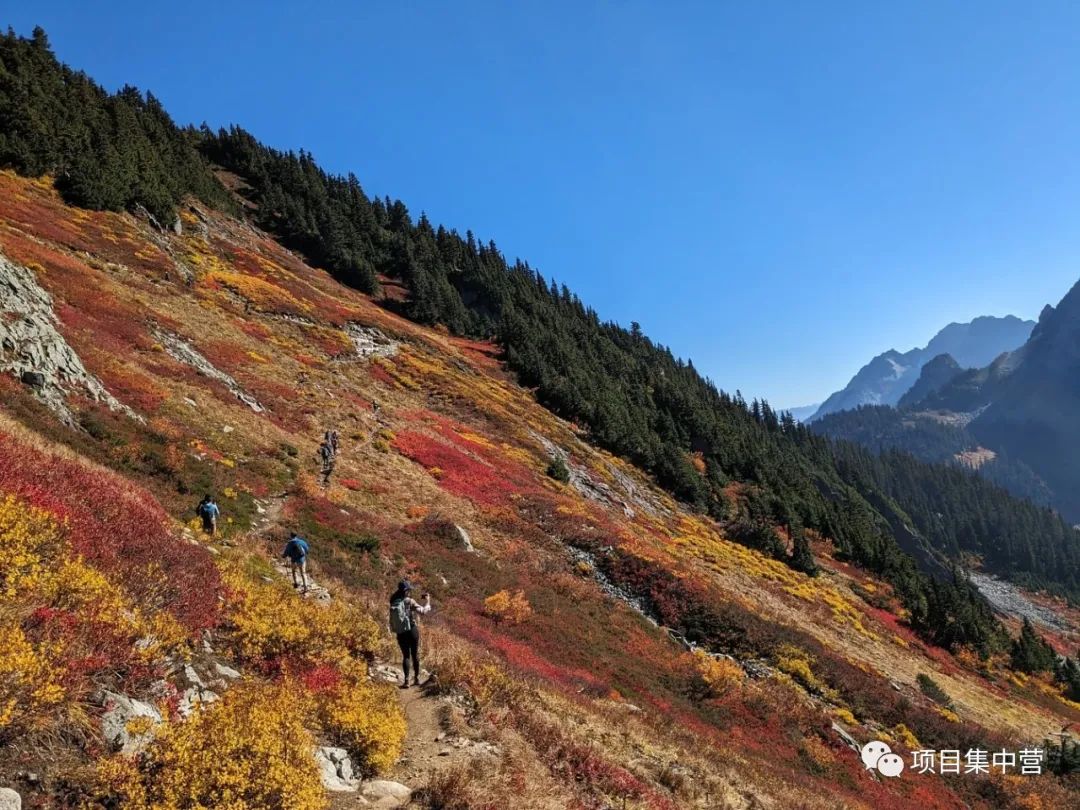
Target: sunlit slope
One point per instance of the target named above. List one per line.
(560, 623)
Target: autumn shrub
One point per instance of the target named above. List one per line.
(118, 529)
(449, 788)
(63, 624)
(508, 608)
(248, 751)
(929, 687)
(558, 470)
(271, 628)
(30, 681)
(363, 717)
(710, 678)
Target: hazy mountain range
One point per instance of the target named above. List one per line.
(887, 377)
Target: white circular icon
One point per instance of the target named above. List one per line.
(890, 765)
(873, 751)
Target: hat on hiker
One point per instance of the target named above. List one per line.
(404, 585)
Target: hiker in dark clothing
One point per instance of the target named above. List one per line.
(331, 438)
(326, 456)
(405, 615)
(296, 551)
(208, 511)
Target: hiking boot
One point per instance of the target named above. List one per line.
(416, 682)
(404, 685)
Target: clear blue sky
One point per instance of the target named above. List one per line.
(777, 190)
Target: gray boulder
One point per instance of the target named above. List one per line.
(336, 769)
(10, 800)
(120, 711)
(385, 794)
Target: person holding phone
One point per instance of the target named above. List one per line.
(405, 613)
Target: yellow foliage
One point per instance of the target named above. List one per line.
(29, 679)
(363, 717)
(845, 716)
(29, 538)
(270, 622)
(262, 294)
(39, 570)
(907, 737)
(718, 676)
(948, 714)
(797, 663)
(248, 751)
(507, 607)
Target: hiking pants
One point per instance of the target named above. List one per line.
(409, 641)
(209, 524)
(299, 566)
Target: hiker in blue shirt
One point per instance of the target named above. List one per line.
(208, 511)
(296, 550)
(405, 615)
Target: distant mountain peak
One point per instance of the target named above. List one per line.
(891, 374)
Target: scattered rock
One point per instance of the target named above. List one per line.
(370, 342)
(463, 536)
(118, 722)
(33, 349)
(849, 741)
(336, 769)
(226, 671)
(193, 677)
(182, 351)
(385, 673)
(193, 698)
(10, 800)
(385, 794)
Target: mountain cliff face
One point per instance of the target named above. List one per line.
(886, 378)
(1031, 401)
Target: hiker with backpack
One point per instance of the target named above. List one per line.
(405, 615)
(326, 456)
(208, 511)
(331, 438)
(296, 551)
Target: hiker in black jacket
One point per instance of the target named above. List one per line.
(405, 615)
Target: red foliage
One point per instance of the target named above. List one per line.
(118, 529)
(462, 473)
(382, 375)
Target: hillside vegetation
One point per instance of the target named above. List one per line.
(670, 597)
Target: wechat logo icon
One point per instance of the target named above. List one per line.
(877, 756)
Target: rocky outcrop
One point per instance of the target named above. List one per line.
(336, 769)
(631, 497)
(33, 349)
(10, 800)
(371, 342)
(182, 351)
(128, 724)
(464, 539)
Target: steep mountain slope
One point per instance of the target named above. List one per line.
(933, 377)
(1033, 403)
(1020, 407)
(886, 378)
(574, 686)
(582, 608)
